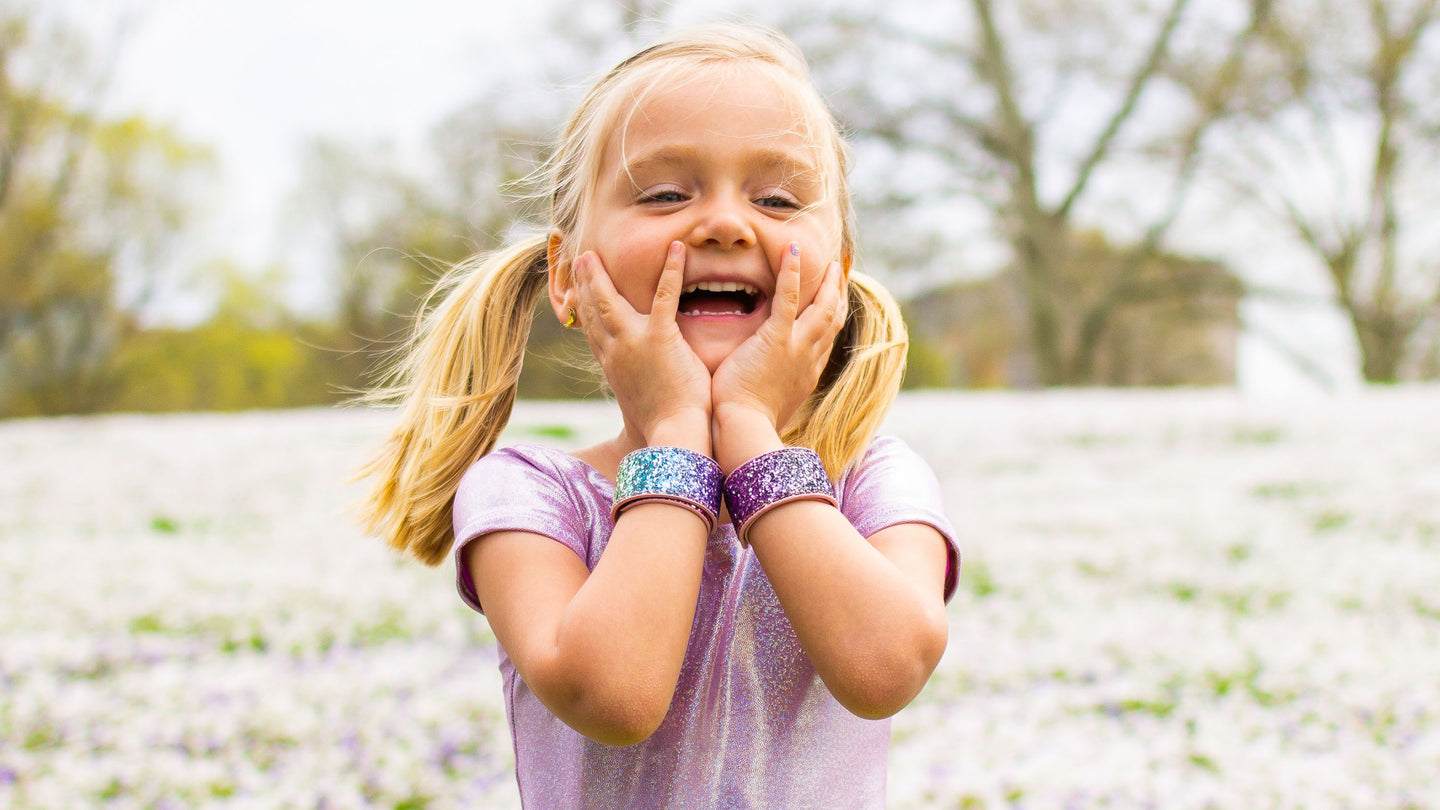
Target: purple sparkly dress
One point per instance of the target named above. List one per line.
(751, 725)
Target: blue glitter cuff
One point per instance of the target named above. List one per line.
(670, 474)
(770, 479)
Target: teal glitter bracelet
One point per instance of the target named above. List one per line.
(770, 479)
(669, 474)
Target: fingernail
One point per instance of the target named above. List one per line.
(794, 248)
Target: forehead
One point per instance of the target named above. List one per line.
(714, 109)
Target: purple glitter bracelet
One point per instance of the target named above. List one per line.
(670, 474)
(770, 479)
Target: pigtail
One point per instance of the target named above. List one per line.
(858, 387)
(456, 387)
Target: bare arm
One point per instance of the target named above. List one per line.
(870, 614)
(601, 649)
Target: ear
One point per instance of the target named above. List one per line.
(561, 284)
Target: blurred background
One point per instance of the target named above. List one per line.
(230, 205)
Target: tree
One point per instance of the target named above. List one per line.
(1346, 165)
(1037, 120)
(393, 227)
(85, 203)
(1167, 339)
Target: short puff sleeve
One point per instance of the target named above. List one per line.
(525, 488)
(892, 484)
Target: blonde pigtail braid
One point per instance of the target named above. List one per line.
(456, 387)
(856, 391)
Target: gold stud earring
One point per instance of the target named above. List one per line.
(570, 321)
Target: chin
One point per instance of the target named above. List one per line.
(712, 357)
(713, 349)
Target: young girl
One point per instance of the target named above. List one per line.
(662, 645)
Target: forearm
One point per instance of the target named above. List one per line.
(621, 640)
(873, 636)
(872, 632)
(614, 656)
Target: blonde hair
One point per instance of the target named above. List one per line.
(457, 384)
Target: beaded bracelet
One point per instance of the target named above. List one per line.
(670, 475)
(770, 479)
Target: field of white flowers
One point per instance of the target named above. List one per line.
(1169, 600)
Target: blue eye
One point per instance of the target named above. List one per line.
(662, 196)
(776, 201)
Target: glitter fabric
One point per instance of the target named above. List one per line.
(750, 725)
(770, 479)
(671, 474)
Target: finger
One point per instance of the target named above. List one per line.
(598, 293)
(588, 312)
(828, 301)
(833, 297)
(787, 284)
(597, 279)
(842, 298)
(584, 292)
(672, 279)
(825, 317)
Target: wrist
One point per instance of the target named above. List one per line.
(772, 480)
(669, 475)
(742, 433)
(689, 430)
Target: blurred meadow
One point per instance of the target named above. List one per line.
(1173, 287)
(1170, 599)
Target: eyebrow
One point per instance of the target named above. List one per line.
(793, 163)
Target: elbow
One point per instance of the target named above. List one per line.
(610, 704)
(624, 715)
(625, 727)
(879, 698)
(885, 685)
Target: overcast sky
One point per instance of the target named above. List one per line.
(255, 79)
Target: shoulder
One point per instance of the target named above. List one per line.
(891, 483)
(527, 488)
(524, 479)
(520, 461)
(889, 462)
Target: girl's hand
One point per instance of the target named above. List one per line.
(759, 386)
(662, 387)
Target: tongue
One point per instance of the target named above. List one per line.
(701, 303)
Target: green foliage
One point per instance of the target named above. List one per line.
(221, 365)
(976, 577)
(553, 431)
(160, 524)
(1329, 521)
(146, 624)
(926, 365)
(80, 196)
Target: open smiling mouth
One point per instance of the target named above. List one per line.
(719, 298)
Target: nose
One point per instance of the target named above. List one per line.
(723, 221)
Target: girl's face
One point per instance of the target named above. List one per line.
(716, 163)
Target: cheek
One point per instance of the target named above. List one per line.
(817, 254)
(634, 269)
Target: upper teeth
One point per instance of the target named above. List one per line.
(722, 286)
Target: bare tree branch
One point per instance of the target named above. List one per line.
(1138, 82)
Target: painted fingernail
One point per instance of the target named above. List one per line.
(794, 248)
